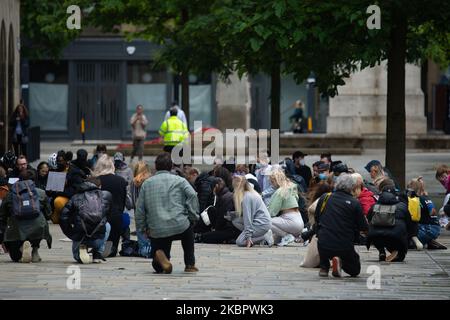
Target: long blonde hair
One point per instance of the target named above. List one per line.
(418, 186)
(281, 182)
(104, 166)
(240, 186)
(141, 173)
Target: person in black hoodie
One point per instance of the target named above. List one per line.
(224, 231)
(87, 231)
(104, 170)
(339, 220)
(393, 236)
(204, 185)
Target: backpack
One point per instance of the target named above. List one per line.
(91, 212)
(414, 208)
(26, 204)
(383, 215)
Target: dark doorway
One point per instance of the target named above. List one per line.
(3, 89)
(11, 65)
(96, 93)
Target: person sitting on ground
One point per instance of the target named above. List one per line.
(262, 172)
(166, 210)
(122, 169)
(84, 221)
(223, 229)
(141, 173)
(287, 222)
(253, 218)
(390, 222)
(8, 162)
(204, 188)
(326, 158)
(300, 166)
(104, 170)
(21, 165)
(366, 198)
(339, 220)
(377, 171)
(442, 175)
(42, 175)
(191, 174)
(99, 151)
(429, 228)
(81, 162)
(23, 216)
(225, 175)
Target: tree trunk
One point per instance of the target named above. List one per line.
(275, 94)
(185, 94)
(396, 113)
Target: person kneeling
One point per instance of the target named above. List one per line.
(83, 220)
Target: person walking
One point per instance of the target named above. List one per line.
(173, 130)
(166, 210)
(138, 123)
(18, 124)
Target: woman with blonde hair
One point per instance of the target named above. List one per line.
(287, 222)
(104, 170)
(141, 173)
(428, 228)
(252, 219)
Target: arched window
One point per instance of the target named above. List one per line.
(11, 70)
(3, 90)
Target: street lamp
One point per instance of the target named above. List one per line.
(311, 81)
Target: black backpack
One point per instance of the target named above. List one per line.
(26, 205)
(91, 212)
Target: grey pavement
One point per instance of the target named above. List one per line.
(226, 272)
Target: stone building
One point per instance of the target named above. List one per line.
(9, 64)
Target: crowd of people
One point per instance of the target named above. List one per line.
(329, 209)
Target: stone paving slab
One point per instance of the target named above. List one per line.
(226, 272)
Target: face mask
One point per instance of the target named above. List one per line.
(322, 176)
(302, 162)
(258, 165)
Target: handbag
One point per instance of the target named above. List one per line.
(383, 215)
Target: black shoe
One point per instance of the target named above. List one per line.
(323, 273)
(434, 245)
(382, 256)
(97, 257)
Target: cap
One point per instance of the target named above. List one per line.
(118, 156)
(371, 164)
(323, 167)
(340, 168)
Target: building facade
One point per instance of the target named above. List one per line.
(9, 65)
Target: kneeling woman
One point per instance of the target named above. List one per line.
(253, 218)
(389, 222)
(287, 222)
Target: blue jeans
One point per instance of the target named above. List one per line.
(144, 244)
(97, 244)
(428, 232)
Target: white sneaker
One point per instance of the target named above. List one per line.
(419, 245)
(287, 239)
(268, 239)
(85, 257)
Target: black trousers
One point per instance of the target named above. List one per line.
(19, 147)
(349, 258)
(15, 246)
(391, 244)
(228, 235)
(116, 230)
(165, 244)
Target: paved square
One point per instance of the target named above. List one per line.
(226, 272)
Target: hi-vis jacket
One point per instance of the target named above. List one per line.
(174, 131)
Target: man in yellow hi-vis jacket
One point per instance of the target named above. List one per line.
(173, 130)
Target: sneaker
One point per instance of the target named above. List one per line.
(323, 273)
(434, 245)
(161, 258)
(108, 247)
(85, 257)
(191, 269)
(287, 239)
(392, 256)
(35, 256)
(26, 252)
(337, 267)
(97, 257)
(418, 244)
(268, 239)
